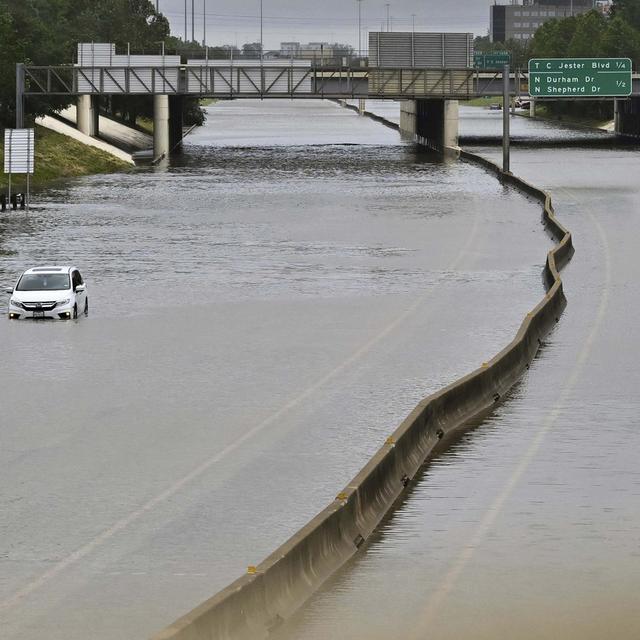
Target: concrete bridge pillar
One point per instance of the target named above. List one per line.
(88, 114)
(176, 110)
(161, 142)
(627, 117)
(431, 122)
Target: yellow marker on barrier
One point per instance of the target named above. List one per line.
(251, 570)
(485, 365)
(390, 440)
(342, 496)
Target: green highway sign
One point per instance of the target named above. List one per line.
(579, 77)
(494, 60)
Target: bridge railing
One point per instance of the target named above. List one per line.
(219, 78)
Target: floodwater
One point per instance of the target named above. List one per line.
(528, 527)
(263, 313)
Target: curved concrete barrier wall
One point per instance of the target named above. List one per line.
(256, 603)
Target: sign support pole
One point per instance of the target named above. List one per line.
(10, 134)
(28, 195)
(19, 95)
(505, 119)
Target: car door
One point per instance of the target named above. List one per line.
(76, 279)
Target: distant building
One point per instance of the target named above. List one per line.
(521, 21)
(289, 48)
(313, 50)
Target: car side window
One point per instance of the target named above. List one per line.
(75, 281)
(80, 280)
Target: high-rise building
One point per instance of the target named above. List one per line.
(521, 21)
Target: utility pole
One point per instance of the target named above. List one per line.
(359, 27)
(261, 34)
(204, 23)
(413, 23)
(193, 21)
(387, 5)
(186, 27)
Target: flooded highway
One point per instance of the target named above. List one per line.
(263, 313)
(529, 526)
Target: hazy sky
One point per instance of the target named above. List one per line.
(237, 21)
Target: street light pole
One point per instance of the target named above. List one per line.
(261, 33)
(387, 5)
(186, 24)
(193, 21)
(413, 23)
(359, 27)
(204, 23)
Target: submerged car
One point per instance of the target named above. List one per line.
(49, 292)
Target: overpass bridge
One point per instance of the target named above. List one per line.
(430, 94)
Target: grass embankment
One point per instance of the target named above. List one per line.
(543, 112)
(485, 101)
(57, 156)
(145, 125)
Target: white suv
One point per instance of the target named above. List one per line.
(49, 292)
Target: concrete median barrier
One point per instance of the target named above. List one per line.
(258, 602)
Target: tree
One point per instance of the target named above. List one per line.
(46, 32)
(552, 39)
(620, 40)
(587, 38)
(627, 10)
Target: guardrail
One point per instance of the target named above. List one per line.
(258, 602)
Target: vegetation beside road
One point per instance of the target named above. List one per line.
(44, 32)
(545, 113)
(58, 156)
(588, 35)
(484, 101)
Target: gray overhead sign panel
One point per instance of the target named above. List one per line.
(396, 50)
(102, 70)
(19, 145)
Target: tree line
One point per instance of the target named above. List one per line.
(43, 32)
(588, 35)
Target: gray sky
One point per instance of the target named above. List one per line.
(237, 21)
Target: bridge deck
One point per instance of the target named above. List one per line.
(271, 81)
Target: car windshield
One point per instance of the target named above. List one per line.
(43, 282)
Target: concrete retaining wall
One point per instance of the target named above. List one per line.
(257, 602)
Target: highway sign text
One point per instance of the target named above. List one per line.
(579, 77)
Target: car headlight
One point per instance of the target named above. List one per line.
(15, 303)
(61, 303)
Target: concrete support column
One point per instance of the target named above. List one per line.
(176, 111)
(451, 126)
(88, 113)
(433, 123)
(361, 106)
(161, 146)
(408, 110)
